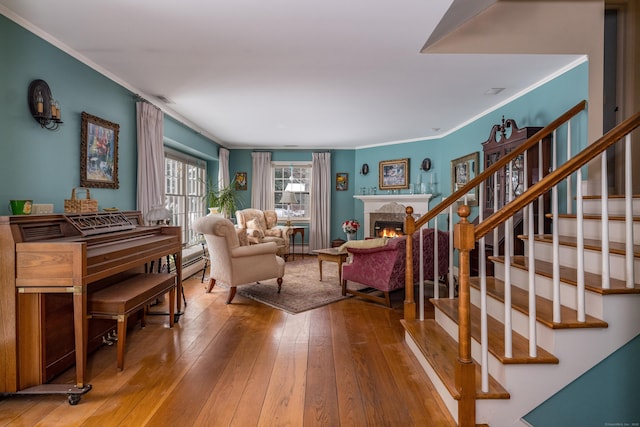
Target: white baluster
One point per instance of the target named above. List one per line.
(420, 275)
(482, 272)
(452, 294)
(495, 209)
(508, 346)
(541, 205)
(533, 340)
(628, 212)
(569, 189)
(580, 248)
(604, 222)
(436, 273)
(557, 317)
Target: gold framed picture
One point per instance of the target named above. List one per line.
(393, 174)
(463, 170)
(342, 181)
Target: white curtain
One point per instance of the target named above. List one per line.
(150, 124)
(223, 168)
(320, 227)
(261, 181)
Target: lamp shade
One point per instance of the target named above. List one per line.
(294, 187)
(288, 197)
(158, 213)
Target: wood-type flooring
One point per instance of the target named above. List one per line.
(247, 364)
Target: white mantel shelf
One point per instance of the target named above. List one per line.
(419, 203)
(398, 198)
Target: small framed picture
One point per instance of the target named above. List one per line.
(393, 174)
(342, 181)
(241, 181)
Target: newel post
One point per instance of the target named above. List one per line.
(409, 301)
(464, 241)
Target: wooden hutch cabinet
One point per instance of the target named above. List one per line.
(508, 183)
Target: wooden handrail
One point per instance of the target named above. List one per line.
(503, 161)
(552, 179)
(410, 225)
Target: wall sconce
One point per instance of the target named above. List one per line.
(44, 108)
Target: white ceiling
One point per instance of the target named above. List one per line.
(288, 73)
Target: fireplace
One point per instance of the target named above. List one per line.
(391, 207)
(388, 228)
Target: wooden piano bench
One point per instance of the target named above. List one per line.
(121, 299)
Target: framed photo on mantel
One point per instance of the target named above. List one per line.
(393, 174)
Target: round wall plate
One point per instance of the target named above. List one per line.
(365, 169)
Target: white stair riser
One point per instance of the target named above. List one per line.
(592, 229)
(592, 260)
(519, 321)
(544, 288)
(496, 368)
(616, 206)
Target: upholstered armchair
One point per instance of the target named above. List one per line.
(262, 226)
(235, 265)
(383, 267)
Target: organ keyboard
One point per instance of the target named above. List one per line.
(49, 265)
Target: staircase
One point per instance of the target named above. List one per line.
(493, 371)
(566, 349)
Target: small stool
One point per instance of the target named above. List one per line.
(119, 300)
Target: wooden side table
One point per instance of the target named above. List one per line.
(296, 230)
(331, 255)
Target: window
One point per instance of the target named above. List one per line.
(294, 178)
(185, 188)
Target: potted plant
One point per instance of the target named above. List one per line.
(225, 199)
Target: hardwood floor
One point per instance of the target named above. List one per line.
(246, 364)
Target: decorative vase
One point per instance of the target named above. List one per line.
(214, 212)
(351, 236)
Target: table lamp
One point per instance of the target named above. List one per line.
(158, 215)
(288, 198)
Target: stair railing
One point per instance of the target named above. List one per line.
(411, 224)
(465, 236)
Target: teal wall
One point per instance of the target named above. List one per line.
(44, 165)
(607, 395)
(537, 108)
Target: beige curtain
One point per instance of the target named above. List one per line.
(320, 227)
(150, 133)
(223, 168)
(261, 181)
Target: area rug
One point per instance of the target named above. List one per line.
(302, 289)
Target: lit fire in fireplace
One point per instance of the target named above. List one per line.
(389, 232)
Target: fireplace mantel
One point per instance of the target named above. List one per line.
(419, 203)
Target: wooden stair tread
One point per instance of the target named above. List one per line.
(611, 196)
(495, 329)
(569, 275)
(544, 307)
(441, 351)
(594, 216)
(618, 248)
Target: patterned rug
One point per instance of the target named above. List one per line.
(302, 289)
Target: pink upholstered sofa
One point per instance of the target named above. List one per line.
(383, 268)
